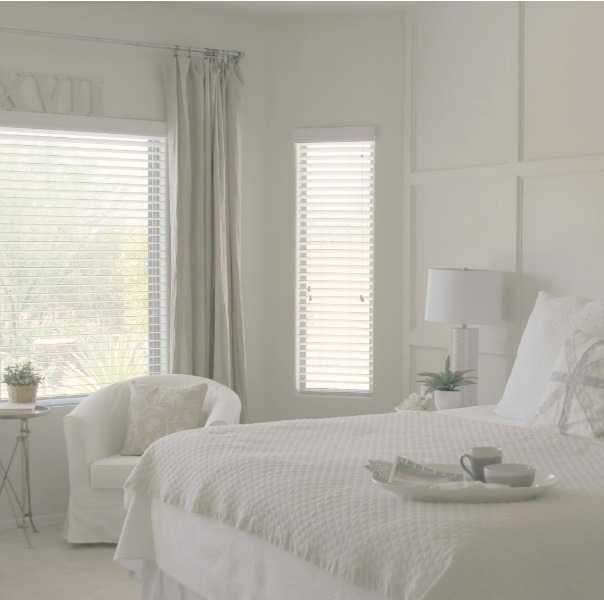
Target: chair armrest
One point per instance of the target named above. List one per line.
(225, 411)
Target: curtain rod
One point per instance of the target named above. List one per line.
(236, 54)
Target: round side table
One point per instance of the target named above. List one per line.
(23, 502)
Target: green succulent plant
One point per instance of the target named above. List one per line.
(21, 374)
(447, 380)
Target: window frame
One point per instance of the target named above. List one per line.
(334, 135)
(32, 122)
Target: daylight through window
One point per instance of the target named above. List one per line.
(83, 257)
(335, 175)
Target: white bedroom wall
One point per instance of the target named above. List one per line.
(504, 162)
(330, 71)
(132, 89)
(498, 163)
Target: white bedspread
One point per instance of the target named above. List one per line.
(301, 485)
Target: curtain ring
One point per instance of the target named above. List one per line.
(175, 51)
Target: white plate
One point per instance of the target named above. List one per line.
(473, 493)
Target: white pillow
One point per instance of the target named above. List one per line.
(548, 326)
(573, 403)
(590, 318)
(157, 411)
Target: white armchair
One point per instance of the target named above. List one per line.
(95, 432)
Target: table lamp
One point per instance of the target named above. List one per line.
(464, 296)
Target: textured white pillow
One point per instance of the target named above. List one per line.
(548, 326)
(157, 411)
(590, 318)
(573, 402)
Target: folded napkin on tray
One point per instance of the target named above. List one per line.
(407, 472)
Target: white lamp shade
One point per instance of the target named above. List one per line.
(463, 296)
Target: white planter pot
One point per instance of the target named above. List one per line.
(444, 400)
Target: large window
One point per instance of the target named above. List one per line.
(335, 174)
(83, 256)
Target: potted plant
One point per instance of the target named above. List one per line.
(22, 381)
(445, 385)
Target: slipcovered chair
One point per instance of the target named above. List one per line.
(95, 431)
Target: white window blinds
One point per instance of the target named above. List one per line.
(83, 257)
(335, 192)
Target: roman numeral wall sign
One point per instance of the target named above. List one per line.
(58, 94)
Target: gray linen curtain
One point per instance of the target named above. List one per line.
(204, 105)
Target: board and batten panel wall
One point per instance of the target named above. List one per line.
(504, 163)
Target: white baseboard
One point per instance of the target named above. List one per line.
(38, 520)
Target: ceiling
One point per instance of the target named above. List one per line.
(284, 8)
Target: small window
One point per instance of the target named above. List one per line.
(335, 197)
(83, 257)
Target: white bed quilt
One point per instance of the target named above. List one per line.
(301, 485)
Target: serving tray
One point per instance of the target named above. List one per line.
(463, 491)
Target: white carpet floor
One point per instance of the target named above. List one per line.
(56, 570)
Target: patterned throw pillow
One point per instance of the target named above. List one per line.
(573, 402)
(157, 411)
(548, 326)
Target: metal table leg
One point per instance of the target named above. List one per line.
(20, 505)
(11, 493)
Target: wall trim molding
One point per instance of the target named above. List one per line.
(39, 520)
(524, 169)
(520, 75)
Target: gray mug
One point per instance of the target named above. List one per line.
(479, 457)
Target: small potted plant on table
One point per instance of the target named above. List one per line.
(445, 385)
(22, 381)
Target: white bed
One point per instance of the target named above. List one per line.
(463, 550)
(285, 510)
(485, 413)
